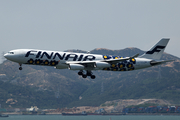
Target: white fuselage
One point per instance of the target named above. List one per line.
(88, 62)
(59, 59)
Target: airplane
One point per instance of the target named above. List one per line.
(86, 62)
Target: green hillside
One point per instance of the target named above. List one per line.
(47, 87)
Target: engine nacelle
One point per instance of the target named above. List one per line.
(76, 67)
(102, 64)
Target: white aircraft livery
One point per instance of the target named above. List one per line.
(85, 63)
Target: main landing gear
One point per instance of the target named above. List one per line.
(20, 68)
(88, 73)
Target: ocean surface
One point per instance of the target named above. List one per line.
(91, 117)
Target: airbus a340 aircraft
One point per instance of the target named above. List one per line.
(88, 62)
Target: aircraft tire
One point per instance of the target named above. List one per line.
(84, 76)
(93, 76)
(20, 68)
(80, 73)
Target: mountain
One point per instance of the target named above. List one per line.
(47, 87)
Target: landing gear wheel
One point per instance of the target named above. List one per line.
(20, 68)
(80, 73)
(93, 76)
(88, 73)
(84, 76)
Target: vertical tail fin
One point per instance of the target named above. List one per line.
(157, 50)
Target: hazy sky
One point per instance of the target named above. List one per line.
(89, 24)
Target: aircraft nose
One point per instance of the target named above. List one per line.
(6, 55)
(12, 56)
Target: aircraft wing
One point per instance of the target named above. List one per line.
(110, 61)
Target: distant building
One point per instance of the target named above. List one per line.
(32, 109)
(80, 97)
(102, 110)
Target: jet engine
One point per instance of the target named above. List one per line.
(102, 64)
(76, 67)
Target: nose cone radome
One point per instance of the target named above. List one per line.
(6, 56)
(10, 55)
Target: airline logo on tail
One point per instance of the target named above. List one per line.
(156, 49)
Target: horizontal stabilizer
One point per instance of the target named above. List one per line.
(153, 63)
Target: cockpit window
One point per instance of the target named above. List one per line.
(11, 52)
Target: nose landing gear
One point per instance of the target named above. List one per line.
(20, 68)
(88, 73)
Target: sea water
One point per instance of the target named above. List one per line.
(91, 117)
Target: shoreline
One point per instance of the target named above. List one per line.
(113, 114)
